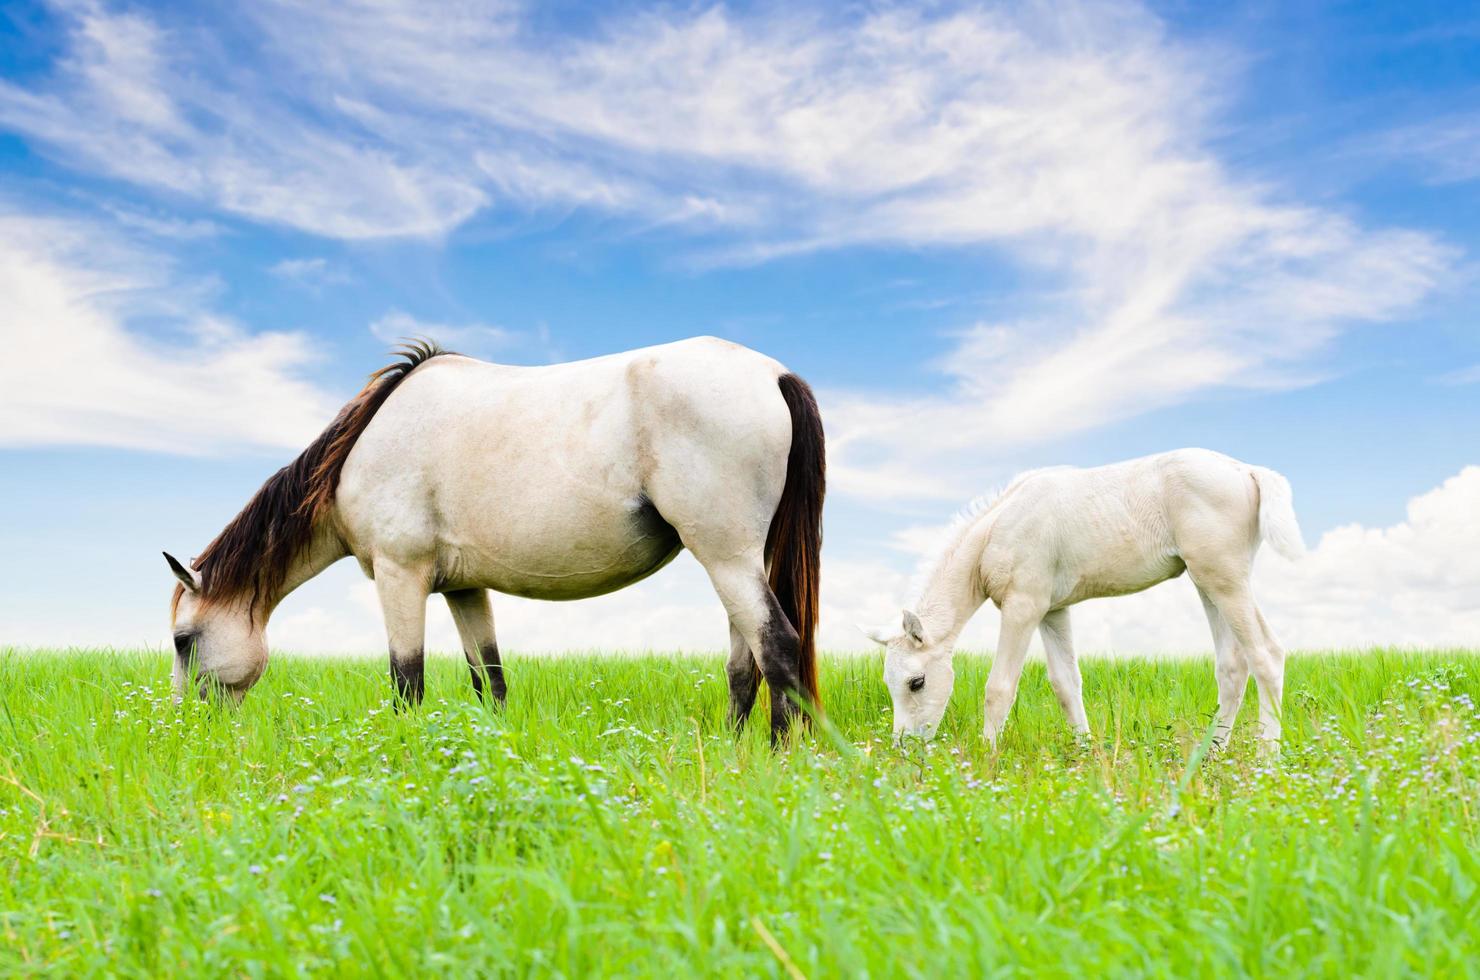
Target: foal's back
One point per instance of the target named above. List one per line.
(1074, 534)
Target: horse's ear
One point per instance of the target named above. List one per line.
(188, 577)
(913, 628)
(878, 634)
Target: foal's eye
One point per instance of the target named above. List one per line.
(916, 683)
(184, 643)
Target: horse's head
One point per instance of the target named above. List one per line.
(918, 673)
(218, 644)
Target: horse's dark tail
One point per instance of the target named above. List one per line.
(794, 543)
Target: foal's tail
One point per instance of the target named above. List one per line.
(1277, 523)
(794, 542)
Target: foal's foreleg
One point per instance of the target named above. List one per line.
(403, 602)
(1063, 668)
(473, 614)
(1019, 618)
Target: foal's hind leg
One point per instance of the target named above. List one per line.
(1232, 670)
(1063, 668)
(1274, 665)
(1231, 595)
(403, 602)
(744, 675)
(473, 614)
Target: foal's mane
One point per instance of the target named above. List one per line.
(950, 537)
(251, 556)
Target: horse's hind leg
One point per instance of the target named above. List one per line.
(403, 602)
(1063, 668)
(473, 614)
(744, 675)
(1232, 669)
(760, 622)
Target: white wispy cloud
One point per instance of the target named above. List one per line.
(161, 225)
(1074, 141)
(70, 293)
(1249, 310)
(312, 272)
(1461, 376)
(135, 100)
(1448, 148)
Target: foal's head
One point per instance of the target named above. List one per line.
(218, 644)
(918, 673)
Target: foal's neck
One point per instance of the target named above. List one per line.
(953, 590)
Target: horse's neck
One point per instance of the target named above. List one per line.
(953, 593)
(323, 550)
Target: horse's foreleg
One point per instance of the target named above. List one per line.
(1063, 668)
(472, 611)
(403, 602)
(744, 675)
(1020, 617)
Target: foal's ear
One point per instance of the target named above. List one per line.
(878, 634)
(188, 577)
(913, 628)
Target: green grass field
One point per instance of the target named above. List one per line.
(607, 824)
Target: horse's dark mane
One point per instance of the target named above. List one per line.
(251, 556)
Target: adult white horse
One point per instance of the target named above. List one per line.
(1059, 536)
(455, 476)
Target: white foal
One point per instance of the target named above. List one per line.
(1059, 536)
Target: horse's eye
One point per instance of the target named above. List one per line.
(185, 643)
(916, 683)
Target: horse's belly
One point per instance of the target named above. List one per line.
(553, 556)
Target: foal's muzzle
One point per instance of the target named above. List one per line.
(924, 732)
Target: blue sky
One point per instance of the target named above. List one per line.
(991, 237)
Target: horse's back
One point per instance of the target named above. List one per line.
(454, 415)
(548, 481)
